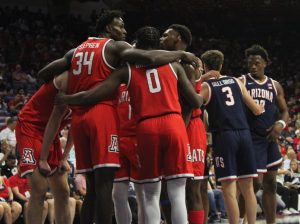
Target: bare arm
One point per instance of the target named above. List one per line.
(186, 88)
(248, 100)
(283, 109)
(99, 92)
(56, 67)
(69, 146)
(18, 195)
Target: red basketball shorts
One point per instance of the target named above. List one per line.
(128, 159)
(163, 149)
(197, 138)
(95, 138)
(30, 151)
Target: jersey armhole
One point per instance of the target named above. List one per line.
(103, 55)
(209, 93)
(274, 86)
(173, 71)
(243, 79)
(55, 84)
(239, 84)
(129, 75)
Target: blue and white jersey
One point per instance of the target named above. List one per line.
(265, 94)
(225, 106)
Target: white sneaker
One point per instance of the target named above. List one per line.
(286, 212)
(293, 211)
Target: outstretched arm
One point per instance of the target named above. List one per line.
(186, 88)
(99, 92)
(56, 67)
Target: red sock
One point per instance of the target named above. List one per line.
(196, 217)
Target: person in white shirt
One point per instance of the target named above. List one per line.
(8, 135)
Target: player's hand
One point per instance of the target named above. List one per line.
(60, 98)
(210, 74)
(190, 58)
(63, 166)
(274, 132)
(44, 168)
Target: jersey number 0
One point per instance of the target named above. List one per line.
(153, 81)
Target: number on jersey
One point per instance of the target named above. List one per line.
(262, 103)
(230, 99)
(153, 81)
(83, 58)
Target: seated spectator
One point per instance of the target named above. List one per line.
(8, 135)
(290, 155)
(21, 192)
(12, 209)
(19, 77)
(296, 140)
(292, 179)
(16, 104)
(10, 168)
(281, 207)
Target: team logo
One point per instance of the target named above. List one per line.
(189, 155)
(28, 157)
(114, 145)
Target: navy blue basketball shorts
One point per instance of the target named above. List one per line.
(234, 155)
(267, 154)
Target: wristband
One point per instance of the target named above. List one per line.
(282, 122)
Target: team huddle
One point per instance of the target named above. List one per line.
(135, 117)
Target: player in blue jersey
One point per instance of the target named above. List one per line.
(266, 128)
(234, 160)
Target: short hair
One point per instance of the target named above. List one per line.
(184, 32)
(213, 59)
(147, 37)
(10, 120)
(106, 18)
(257, 50)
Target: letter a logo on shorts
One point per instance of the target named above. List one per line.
(189, 155)
(114, 146)
(28, 157)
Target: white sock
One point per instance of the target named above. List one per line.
(140, 199)
(152, 209)
(176, 192)
(120, 197)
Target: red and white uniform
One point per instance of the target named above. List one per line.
(21, 183)
(161, 135)
(127, 138)
(30, 129)
(94, 128)
(197, 137)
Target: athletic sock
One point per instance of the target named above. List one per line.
(196, 217)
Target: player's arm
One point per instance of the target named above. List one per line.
(248, 100)
(56, 67)
(52, 126)
(279, 125)
(186, 88)
(99, 92)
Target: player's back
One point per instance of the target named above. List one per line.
(35, 114)
(264, 94)
(197, 112)
(153, 92)
(225, 106)
(89, 67)
(126, 118)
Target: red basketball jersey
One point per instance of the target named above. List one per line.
(126, 118)
(36, 112)
(89, 67)
(197, 112)
(153, 91)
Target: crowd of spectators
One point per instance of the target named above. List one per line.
(29, 40)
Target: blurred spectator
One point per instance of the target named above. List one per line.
(8, 135)
(9, 169)
(296, 140)
(17, 103)
(290, 155)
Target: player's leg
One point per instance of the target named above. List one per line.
(7, 217)
(140, 199)
(51, 213)
(152, 195)
(120, 198)
(1, 212)
(194, 201)
(16, 210)
(87, 214)
(72, 207)
(229, 191)
(38, 187)
(269, 196)
(204, 197)
(61, 193)
(165, 202)
(104, 178)
(246, 188)
(45, 211)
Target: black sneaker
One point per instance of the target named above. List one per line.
(214, 219)
(224, 218)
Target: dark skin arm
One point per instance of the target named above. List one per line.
(56, 67)
(276, 129)
(99, 92)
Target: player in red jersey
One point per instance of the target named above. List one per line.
(95, 137)
(179, 37)
(128, 162)
(161, 134)
(38, 113)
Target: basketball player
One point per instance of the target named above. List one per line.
(265, 129)
(30, 129)
(179, 37)
(95, 137)
(233, 151)
(161, 135)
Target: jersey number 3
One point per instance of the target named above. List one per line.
(230, 99)
(153, 81)
(83, 58)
